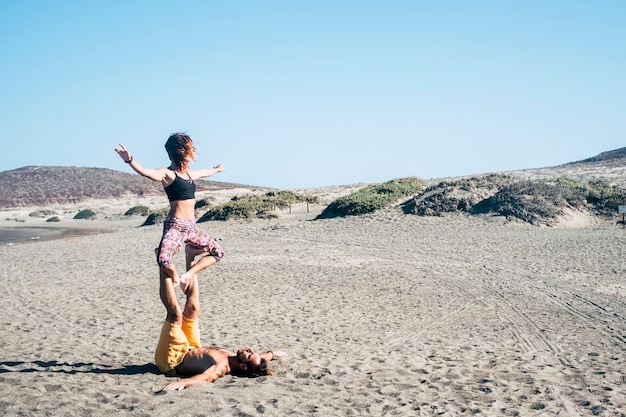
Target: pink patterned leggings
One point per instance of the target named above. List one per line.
(178, 231)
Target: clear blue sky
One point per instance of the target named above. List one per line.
(291, 94)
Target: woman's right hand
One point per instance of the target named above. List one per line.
(123, 153)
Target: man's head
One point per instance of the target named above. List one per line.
(251, 363)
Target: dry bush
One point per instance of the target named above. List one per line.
(532, 201)
(41, 213)
(455, 196)
(542, 201)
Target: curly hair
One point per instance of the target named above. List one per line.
(255, 371)
(180, 149)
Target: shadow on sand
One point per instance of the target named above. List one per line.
(77, 368)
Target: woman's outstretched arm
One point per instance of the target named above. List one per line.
(154, 174)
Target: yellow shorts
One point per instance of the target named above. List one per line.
(174, 343)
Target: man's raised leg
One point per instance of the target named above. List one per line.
(168, 297)
(192, 305)
(191, 313)
(174, 342)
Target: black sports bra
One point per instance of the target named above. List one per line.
(181, 189)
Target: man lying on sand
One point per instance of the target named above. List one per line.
(179, 351)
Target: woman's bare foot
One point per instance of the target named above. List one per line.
(185, 281)
(175, 278)
(190, 257)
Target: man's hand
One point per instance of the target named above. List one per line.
(278, 353)
(176, 386)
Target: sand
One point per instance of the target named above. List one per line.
(383, 314)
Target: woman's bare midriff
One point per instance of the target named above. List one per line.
(183, 209)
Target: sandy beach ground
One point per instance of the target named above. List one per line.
(381, 315)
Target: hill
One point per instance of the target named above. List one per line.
(43, 185)
(608, 166)
(618, 156)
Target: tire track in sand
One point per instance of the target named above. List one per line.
(611, 323)
(525, 329)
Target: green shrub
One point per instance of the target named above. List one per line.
(85, 214)
(250, 206)
(284, 199)
(54, 219)
(373, 197)
(156, 217)
(137, 211)
(605, 198)
(226, 211)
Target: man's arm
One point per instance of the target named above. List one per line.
(272, 354)
(210, 375)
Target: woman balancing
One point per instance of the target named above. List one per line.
(180, 225)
